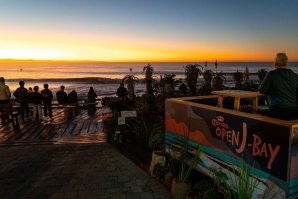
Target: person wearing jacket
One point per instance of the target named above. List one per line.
(91, 101)
(92, 95)
(29, 97)
(72, 99)
(4, 95)
(4, 92)
(47, 97)
(61, 96)
(122, 91)
(36, 100)
(280, 86)
(21, 95)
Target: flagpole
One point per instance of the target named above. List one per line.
(216, 65)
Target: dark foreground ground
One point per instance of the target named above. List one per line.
(69, 158)
(73, 171)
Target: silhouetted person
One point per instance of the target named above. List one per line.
(280, 86)
(4, 92)
(36, 100)
(73, 100)
(183, 88)
(122, 95)
(92, 95)
(4, 95)
(21, 95)
(61, 96)
(122, 91)
(29, 97)
(72, 97)
(91, 101)
(29, 100)
(47, 97)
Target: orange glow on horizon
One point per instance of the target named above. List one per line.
(122, 55)
(109, 48)
(118, 54)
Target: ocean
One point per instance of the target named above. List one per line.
(57, 73)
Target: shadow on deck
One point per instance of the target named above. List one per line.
(83, 128)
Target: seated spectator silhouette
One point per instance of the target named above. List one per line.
(61, 96)
(183, 88)
(72, 99)
(280, 86)
(121, 91)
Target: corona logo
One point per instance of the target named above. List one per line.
(220, 118)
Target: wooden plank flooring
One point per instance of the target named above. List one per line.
(83, 128)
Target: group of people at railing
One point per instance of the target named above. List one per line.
(25, 97)
(33, 98)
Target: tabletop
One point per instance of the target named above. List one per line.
(237, 93)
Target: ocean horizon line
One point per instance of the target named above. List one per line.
(95, 79)
(148, 62)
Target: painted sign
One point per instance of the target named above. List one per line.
(229, 139)
(121, 120)
(128, 113)
(293, 183)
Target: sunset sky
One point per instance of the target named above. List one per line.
(148, 30)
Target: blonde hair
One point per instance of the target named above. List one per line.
(281, 60)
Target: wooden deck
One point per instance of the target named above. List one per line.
(83, 128)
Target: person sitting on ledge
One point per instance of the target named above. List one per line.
(72, 99)
(121, 91)
(61, 96)
(280, 86)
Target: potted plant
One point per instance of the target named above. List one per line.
(185, 163)
(159, 171)
(168, 178)
(156, 143)
(205, 190)
(157, 158)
